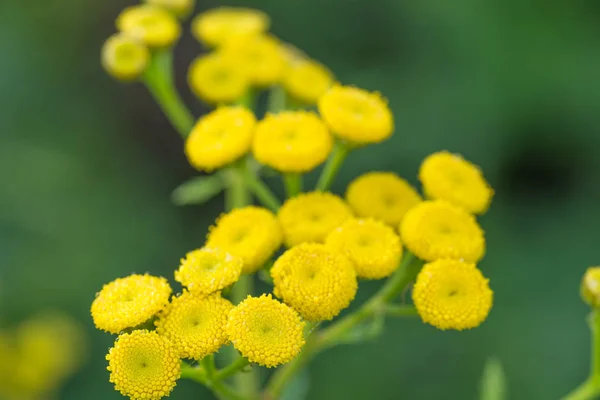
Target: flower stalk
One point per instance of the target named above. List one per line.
(590, 389)
(333, 165)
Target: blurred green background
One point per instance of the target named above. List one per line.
(87, 166)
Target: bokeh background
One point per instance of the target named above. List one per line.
(87, 166)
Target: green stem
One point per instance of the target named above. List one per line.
(260, 190)
(195, 374)
(590, 389)
(158, 78)
(400, 311)
(293, 184)
(231, 369)
(277, 100)
(208, 363)
(336, 158)
(237, 194)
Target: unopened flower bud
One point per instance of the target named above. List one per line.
(590, 287)
(124, 57)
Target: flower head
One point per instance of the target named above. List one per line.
(124, 57)
(250, 233)
(310, 217)
(220, 137)
(381, 195)
(314, 280)
(437, 229)
(205, 271)
(450, 177)
(195, 325)
(181, 8)
(356, 115)
(307, 81)
(292, 141)
(452, 294)
(372, 246)
(129, 302)
(217, 80)
(220, 25)
(143, 365)
(152, 25)
(590, 287)
(266, 331)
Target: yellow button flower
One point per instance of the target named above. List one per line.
(143, 365)
(314, 280)
(217, 80)
(129, 302)
(310, 217)
(292, 141)
(195, 325)
(372, 246)
(220, 25)
(125, 57)
(251, 233)
(220, 138)
(205, 271)
(266, 331)
(450, 177)
(356, 115)
(451, 294)
(307, 80)
(382, 195)
(437, 229)
(590, 287)
(181, 8)
(152, 25)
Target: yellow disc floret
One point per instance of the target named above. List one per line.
(356, 115)
(307, 80)
(382, 195)
(452, 294)
(450, 177)
(292, 141)
(315, 280)
(143, 365)
(266, 331)
(437, 229)
(217, 80)
(220, 137)
(372, 246)
(220, 25)
(129, 302)
(152, 25)
(125, 57)
(195, 325)
(250, 233)
(181, 8)
(310, 217)
(205, 271)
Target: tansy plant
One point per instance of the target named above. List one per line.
(382, 229)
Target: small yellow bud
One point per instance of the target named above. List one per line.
(590, 287)
(181, 8)
(154, 26)
(124, 57)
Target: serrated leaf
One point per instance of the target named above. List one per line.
(493, 381)
(198, 190)
(368, 330)
(298, 387)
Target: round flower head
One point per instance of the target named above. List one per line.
(310, 217)
(590, 287)
(205, 271)
(220, 137)
(124, 57)
(266, 331)
(315, 280)
(381, 195)
(181, 8)
(356, 115)
(452, 294)
(437, 229)
(143, 365)
(195, 325)
(450, 177)
(372, 246)
(250, 233)
(220, 25)
(129, 302)
(152, 25)
(216, 79)
(292, 141)
(307, 80)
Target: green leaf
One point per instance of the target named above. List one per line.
(298, 387)
(493, 381)
(198, 190)
(368, 330)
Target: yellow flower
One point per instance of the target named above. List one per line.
(195, 325)
(266, 331)
(382, 195)
(372, 246)
(251, 233)
(129, 302)
(219, 25)
(356, 115)
(451, 294)
(310, 217)
(315, 280)
(143, 365)
(152, 25)
(307, 81)
(124, 57)
(220, 137)
(181, 8)
(590, 287)
(217, 80)
(437, 229)
(292, 141)
(450, 177)
(205, 271)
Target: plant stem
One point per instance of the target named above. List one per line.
(195, 374)
(293, 184)
(336, 158)
(590, 389)
(260, 189)
(208, 363)
(231, 369)
(400, 310)
(158, 78)
(277, 100)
